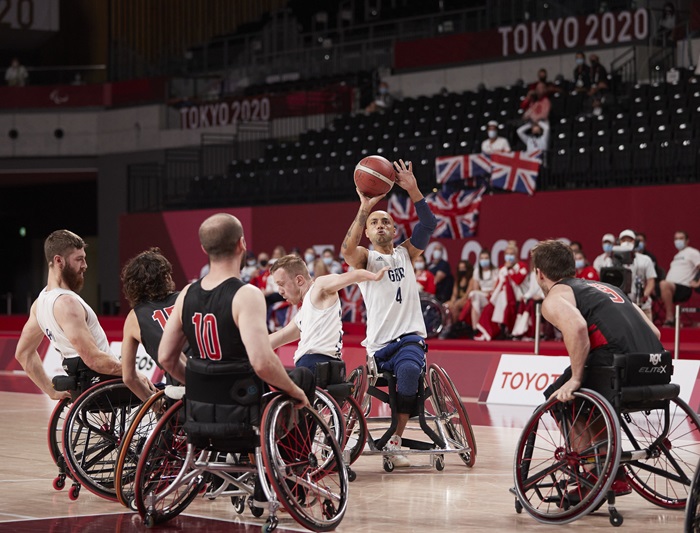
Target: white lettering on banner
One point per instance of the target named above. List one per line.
(471, 249)
(225, 113)
(571, 32)
(522, 379)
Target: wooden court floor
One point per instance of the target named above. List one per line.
(413, 499)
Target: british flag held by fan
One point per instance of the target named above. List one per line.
(516, 171)
(403, 212)
(457, 215)
(473, 169)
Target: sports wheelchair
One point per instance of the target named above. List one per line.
(443, 418)
(85, 431)
(692, 509)
(631, 423)
(225, 438)
(436, 315)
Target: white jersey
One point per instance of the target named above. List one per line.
(48, 324)
(393, 302)
(321, 329)
(684, 266)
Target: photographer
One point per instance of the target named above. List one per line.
(632, 272)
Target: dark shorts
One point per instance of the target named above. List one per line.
(595, 358)
(682, 293)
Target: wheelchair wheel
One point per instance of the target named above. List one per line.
(295, 447)
(93, 429)
(451, 412)
(359, 378)
(162, 459)
(665, 477)
(355, 429)
(434, 315)
(55, 438)
(562, 475)
(329, 410)
(692, 510)
(132, 445)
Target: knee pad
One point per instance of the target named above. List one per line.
(407, 375)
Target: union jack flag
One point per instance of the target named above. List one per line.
(279, 314)
(457, 214)
(352, 304)
(403, 212)
(516, 171)
(471, 168)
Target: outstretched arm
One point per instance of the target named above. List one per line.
(426, 220)
(287, 334)
(27, 356)
(332, 283)
(354, 254)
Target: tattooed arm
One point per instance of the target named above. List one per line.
(354, 254)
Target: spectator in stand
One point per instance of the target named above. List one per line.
(664, 32)
(681, 277)
(250, 268)
(583, 269)
(641, 247)
(599, 77)
(260, 278)
(16, 75)
(494, 143)
(310, 259)
(582, 74)
(459, 298)
(277, 253)
(524, 326)
(536, 104)
(440, 268)
(480, 287)
(550, 87)
(575, 246)
(383, 100)
(643, 273)
(424, 278)
(498, 317)
(605, 259)
(535, 135)
(333, 265)
(320, 268)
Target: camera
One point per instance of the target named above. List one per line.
(620, 274)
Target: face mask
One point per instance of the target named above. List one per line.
(492, 134)
(680, 243)
(382, 90)
(484, 263)
(627, 246)
(543, 78)
(250, 262)
(263, 262)
(537, 134)
(420, 266)
(437, 255)
(309, 257)
(272, 261)
(328, 260)
(580, 263)
(579, 61)
(607, 247)
(597, 111)
(640, 246)
(510, 258)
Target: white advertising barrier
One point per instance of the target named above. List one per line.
(522, 379)
(53, 361)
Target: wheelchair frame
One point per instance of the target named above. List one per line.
(558, 479)
(451, 430)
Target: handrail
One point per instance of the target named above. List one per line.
(677, 339)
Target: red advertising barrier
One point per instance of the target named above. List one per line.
(535, 37)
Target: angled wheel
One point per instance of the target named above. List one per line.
(55, 440)
(451, 412)
(296, 446)
(93, 430)
(665, 477)
(162, 459)
(355, 429)
(329, 410)
(434, 315)
(132, 445)
(564, 474)
(359, 379)
(692, 509)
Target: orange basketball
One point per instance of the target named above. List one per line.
(374, 176)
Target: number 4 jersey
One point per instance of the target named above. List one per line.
(393, 302)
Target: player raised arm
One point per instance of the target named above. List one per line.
(354, 254)
(426, 220)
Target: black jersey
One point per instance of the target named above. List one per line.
(151, 317)
(614, 324)
(207, 322)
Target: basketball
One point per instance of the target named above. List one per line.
(374, 176)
